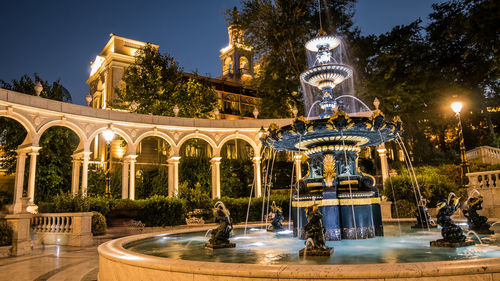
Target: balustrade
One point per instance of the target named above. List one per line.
(487, 179)
(485, 154)
(57, 223)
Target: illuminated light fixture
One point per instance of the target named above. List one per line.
(457, 107)
(96, 64)
(322, 43)
(108, 135)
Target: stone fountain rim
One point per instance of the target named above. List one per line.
(115, 251)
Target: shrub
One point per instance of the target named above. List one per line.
(101, 205)
(195, 198)
(238, 207)
(98, 224)
(435, 185)
(124, 208)
(161, 211)
(65, 203)
(405, 209)
(236, 177)
(5, 233)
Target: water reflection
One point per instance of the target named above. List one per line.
(262, 247)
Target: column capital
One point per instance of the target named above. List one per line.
(174, 159)
(256, 159)
(130, 158)
(28, 150)
(215, 160)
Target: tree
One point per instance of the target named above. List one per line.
(12, 133)
(277, 32)
(57, 143)
(156, 82)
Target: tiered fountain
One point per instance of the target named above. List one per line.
(348, 198)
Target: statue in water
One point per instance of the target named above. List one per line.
(219, 237)
(424, 220)
(452, 234)
(315, 234)
(477, 222)
(276, 215)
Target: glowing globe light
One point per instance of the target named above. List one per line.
(108, 135)
(457, 107)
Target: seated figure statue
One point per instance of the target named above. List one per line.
(424, 220)
(276, 215)
(315, 234)
(219, 237)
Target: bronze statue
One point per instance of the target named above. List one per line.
(477, 222)
(315, 234)
(219, 237)
(452, 234)
(276, 215)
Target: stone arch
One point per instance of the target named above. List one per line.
(27, 125)
(117, 131)
(228, 65)
(209, 140)
(244, 64)
(246, 138)
(63, 123)
(161, 135)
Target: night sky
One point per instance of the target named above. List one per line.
(59, 39)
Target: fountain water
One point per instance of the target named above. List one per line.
(346, 196)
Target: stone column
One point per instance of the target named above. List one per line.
(85, 172)
(132, 177)
(384, 165)
(75, 175)
(257, 176)
(215, 177)
(125, 179)
(173, 176)
(298, 166)
(19, 182)
(32, 175)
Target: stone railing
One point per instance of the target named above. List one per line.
(485, 154)
(73, 229)
(484, 179)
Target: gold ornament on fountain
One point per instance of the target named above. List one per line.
(329, 173)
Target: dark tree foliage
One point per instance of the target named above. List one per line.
(417, 71)
(54, 165)
(236, 177)
(12, 133)
(156, 83)
(277, 32)
(58, 144)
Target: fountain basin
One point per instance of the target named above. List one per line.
(118, 263)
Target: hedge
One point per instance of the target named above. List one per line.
(159, 210)
(98, 224)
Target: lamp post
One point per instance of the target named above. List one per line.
(108, 135)
(457, 107)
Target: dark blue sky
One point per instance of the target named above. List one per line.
(58, 39)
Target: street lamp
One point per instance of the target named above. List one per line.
(457, 107)
(108, 135)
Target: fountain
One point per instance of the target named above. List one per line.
(424, 220)
(477, 223)
(334, 201)
(315, 234)
(346, 196)
(220, 236)
(453, 236)
(276, 215)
